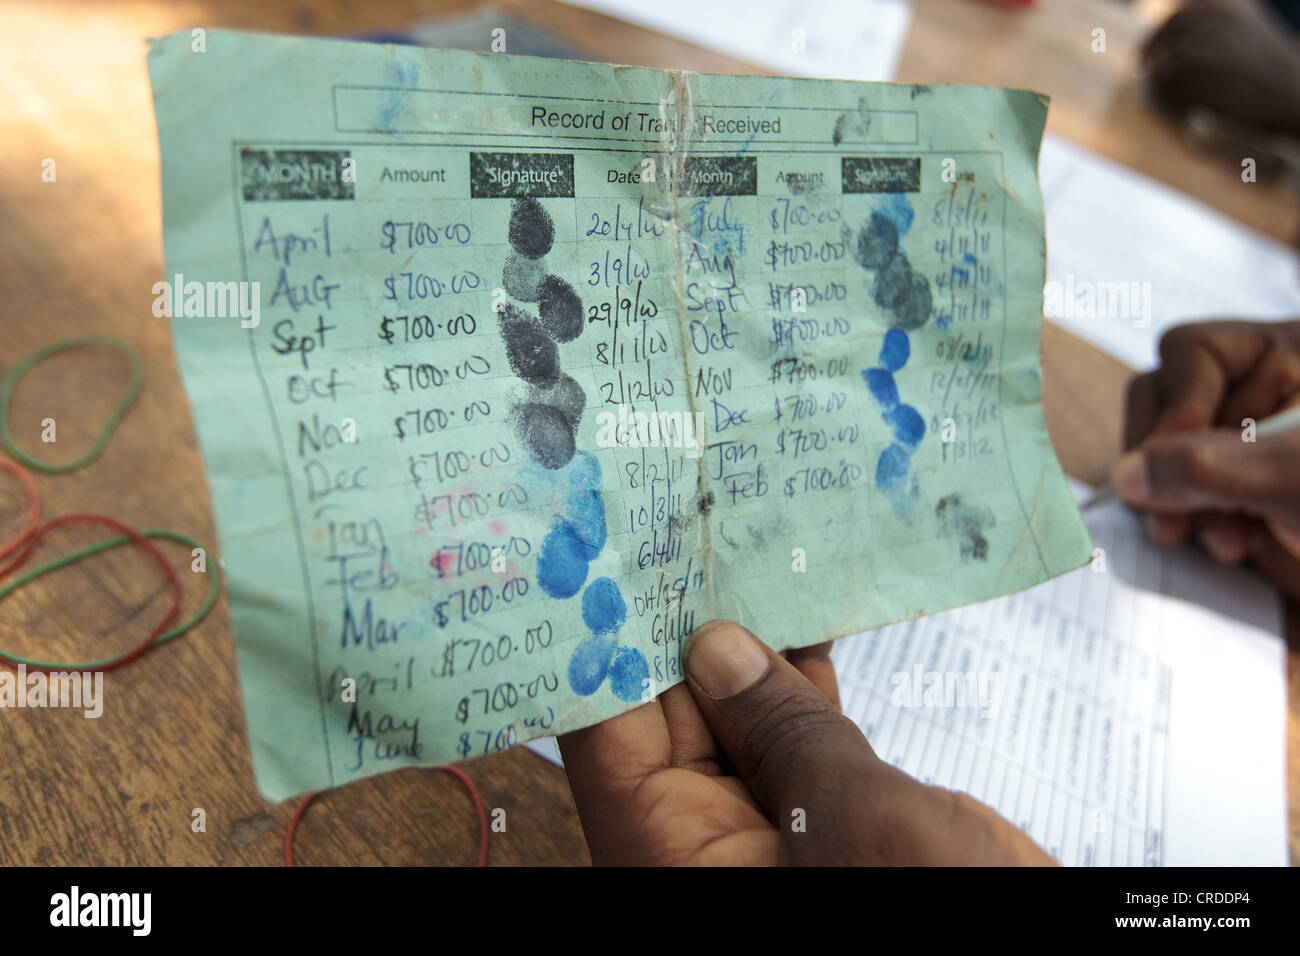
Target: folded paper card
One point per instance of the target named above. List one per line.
(509, 372)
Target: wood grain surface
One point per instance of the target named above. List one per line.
(81, 255)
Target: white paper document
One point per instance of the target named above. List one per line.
(1127, 257)
(1130, 715)
(861, 40)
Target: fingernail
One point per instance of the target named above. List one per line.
(1223, 546)
(725, 659)
(1130, 477)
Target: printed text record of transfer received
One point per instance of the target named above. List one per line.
(510, 372)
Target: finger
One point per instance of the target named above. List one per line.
(1167, 531)
(607, 761)
(1228, 539)
(1279, 565)
(1213, 470)
(1287, 534)
(1271, 385)
(787, 741)
(1199, 361)
(692, 744)
(1163, 39)
(1141, 406)
(815, 664)
(1231, 539)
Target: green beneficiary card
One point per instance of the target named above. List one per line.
(509, 372)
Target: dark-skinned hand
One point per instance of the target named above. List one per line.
(1189, 468)
(750, 762)
(1233, 57)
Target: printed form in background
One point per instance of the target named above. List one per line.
(861, 40)
(555, 360)
(1128, 257)
(1139, 716)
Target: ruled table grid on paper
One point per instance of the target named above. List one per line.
(1068, 738)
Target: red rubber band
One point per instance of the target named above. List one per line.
(454, 771)
(293, 826)
(478, 805)
(33, 507)
(115, 662)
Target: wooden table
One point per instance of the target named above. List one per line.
(82, 253)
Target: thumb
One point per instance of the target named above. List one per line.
(789, 744)
(1213, 469)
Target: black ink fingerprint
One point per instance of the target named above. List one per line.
(546, 433)
(877, 241)
(679, 524)
(837, 134)
(531, 229)
(521, 276)
(902, 293)
(914, 311)
(893, 282)
(851, 123)
(566, 395)
(560, 309)
(966, 524)
(531, 352)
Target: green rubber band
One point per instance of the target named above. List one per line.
(40, 355)
(105, 545)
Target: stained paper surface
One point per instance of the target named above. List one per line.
(550, 362)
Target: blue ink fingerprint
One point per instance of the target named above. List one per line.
(405, 75)
(897, 210)
(944, 320)
(628, 674)
(892, 468)
(968, 259)
(562, 563)
(589, 664)
(553, 487)
(895, 350)
(881, 383)
(585, 512)
(907, 423)
(603, 607)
